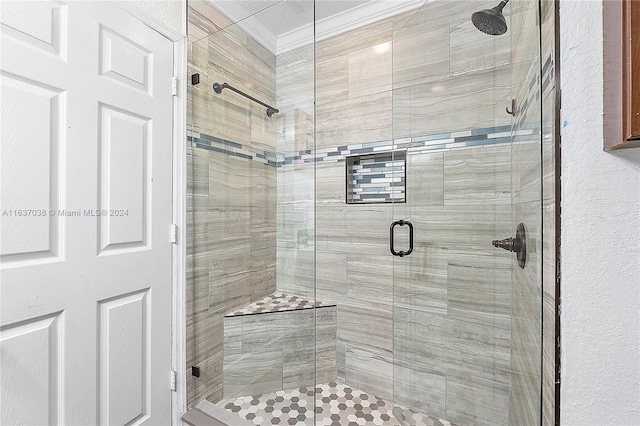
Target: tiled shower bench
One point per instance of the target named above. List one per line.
(272, 344)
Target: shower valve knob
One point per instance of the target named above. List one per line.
(509, 244)
(518, 245)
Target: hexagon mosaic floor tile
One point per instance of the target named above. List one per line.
(278, 302)
(337, 405)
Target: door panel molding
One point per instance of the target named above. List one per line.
(49, 289)
(31, 231)
(35, 387)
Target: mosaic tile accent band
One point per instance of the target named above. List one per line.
(376, 178)
(336, 404)
(278, 302)
(414, 145)
(233, 149)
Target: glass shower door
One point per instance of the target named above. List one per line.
(466, 316)
(251, 320)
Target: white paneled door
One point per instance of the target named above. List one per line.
(85, 254)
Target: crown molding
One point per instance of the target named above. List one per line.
(348, 20)
(249, 24)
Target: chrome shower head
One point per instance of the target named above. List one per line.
(491, 21)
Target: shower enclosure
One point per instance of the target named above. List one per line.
(341, 265)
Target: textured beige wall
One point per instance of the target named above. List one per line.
(600, 214)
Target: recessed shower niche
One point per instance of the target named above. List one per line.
(376, 178)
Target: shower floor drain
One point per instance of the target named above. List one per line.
(336, 405)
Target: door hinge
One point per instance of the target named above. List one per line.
(174, 233)
(174, 379)
(174, 86)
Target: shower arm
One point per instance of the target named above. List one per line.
(217, 87)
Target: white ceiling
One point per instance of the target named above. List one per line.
(281, 25)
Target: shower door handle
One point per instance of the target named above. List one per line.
(391, 242)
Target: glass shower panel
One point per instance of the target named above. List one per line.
(527, 283)
(353, 215)
(251, 228)
(453, 308)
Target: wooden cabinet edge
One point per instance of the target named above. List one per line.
(630, 75)
(620, 89)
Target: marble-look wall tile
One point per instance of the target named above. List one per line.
(478, 350)
(356, 120)
(295, 78)
(326, 345)
(478, 176)
(229, 290)
(411, 327)
(360, 228)
(480, 290)
(369, 70)
(527, 183)
(296, 185)
(237, 59)
(220, 116)
(331, 287)
(476, 401)
(465, 102)
(204, 19)
(457, 348)
(229, 181)
(295, 271)
(471, 51)
(369, 279)
(420, 56)
(199, 59)
(204, 348)
(263, 129)
(221, 224)
(332, 79)
(301, 346)
(222, 63)
(418, 287)
(463, 229)
(297, 367)
(419, 390)
(197, 295)
(425, 179)
(358, 39)
(330, 184)
(434, 14)
(278, 331)
(197, 178)
(341, 361)
(252, 373)
(367, 327)
(295, 86)
(370, 368)
(233, 335)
